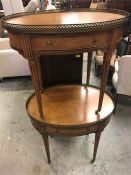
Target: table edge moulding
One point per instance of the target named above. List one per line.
(67, 110)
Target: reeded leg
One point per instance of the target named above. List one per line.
(105, 71)
(46, 143)
(97, 138)
(36, 81)
(39, 73)
(88, 68)
(34, 68)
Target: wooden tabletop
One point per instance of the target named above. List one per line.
(70, 105)
(64, 18)
(60, 20)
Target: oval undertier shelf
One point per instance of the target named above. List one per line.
(70, 105)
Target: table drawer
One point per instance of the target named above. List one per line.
(68, 43)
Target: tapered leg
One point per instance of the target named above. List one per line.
(105, 71)
(97, 138)
(88, 68)
(36, 81)
(46, 143)
(34, 68)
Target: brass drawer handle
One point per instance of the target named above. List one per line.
(49, 43)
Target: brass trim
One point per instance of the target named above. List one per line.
(66, 28)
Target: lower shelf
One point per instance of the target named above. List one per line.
(70, 105)
(70, 111)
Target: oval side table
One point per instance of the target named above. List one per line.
(67, 110)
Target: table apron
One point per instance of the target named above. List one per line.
(70, 131)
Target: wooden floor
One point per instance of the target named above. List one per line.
(70, 105)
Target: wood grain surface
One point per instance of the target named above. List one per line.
(70, 105)
(65, 18)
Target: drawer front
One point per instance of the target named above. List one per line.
(68, 43)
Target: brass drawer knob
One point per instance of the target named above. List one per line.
(49, 43)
